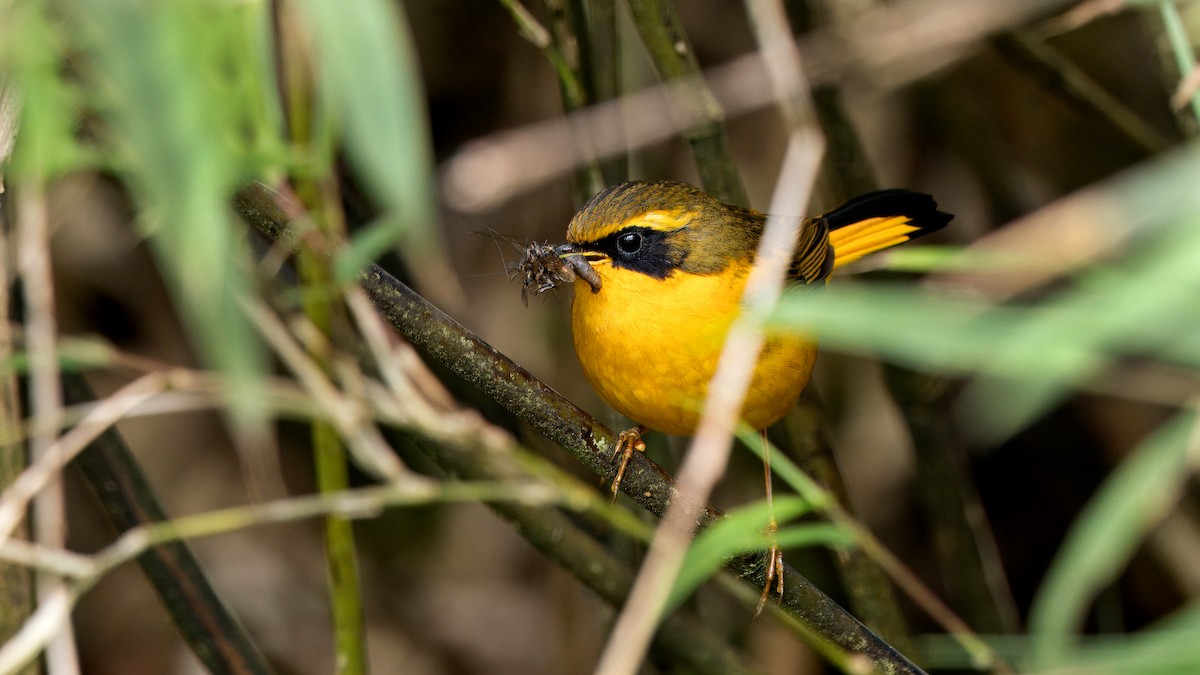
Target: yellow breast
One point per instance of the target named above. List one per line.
(651, 346)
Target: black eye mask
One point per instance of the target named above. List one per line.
(640, 249)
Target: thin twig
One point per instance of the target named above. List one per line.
(60, 562)
(1078, 16)
(1061, 77)
(687, 641)
(870, 592)
(887, 48)
(562, 50)
(1188, 88)
(47, 467)
(202, 390)
(323, 319)
(49, 503)
(349, 416)
(537, 35)
(16, 583)
(570, 45)
(603, 74)
(708, 454)
(1181, 48)
(55, 610)
(513, 491)
(10, 118)
(48, 620)
(701, 117)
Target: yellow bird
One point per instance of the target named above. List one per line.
(659, 270)
(670, 266)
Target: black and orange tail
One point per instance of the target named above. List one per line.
(879, 220)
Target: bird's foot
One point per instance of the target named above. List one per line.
(628, 442)
(774, 560)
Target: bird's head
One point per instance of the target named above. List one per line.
(658, 229)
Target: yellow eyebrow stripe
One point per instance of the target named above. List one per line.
(661, 220)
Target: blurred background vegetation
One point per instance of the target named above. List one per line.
(1012, 406)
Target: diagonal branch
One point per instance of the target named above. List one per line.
(439, 338)
(209, 629)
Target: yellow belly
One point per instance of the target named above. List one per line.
(650, 348)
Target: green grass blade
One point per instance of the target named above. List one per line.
(1106, 316)
(744, 531)
(371, 83)
(1034, 354)
(1133, 499)
(1168, 647)
(1031, 356)
(31, 72)
(174, 89)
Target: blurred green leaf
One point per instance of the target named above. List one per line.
(31, 67)
(1032, 355)
(943, 651)
(74, 354)
(925, 258)
(916, 328)
(183, 92)
(744, 531)
(1165, 648)
(1140, 303)
(1131, 501)
(1104, 316)
(371, 82)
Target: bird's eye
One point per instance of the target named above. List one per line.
(629, 243)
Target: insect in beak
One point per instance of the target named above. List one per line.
(544, 268)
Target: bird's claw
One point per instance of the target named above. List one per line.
(628, 442)
(774, 573)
